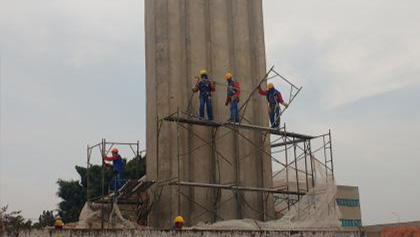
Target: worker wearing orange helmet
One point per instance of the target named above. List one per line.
(118, 168)
(233, 93)
(274, 98)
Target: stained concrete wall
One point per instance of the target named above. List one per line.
(137, 233)
(182, 37)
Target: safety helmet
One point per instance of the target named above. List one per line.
(203, 72)
(179, 219)
(270, 86)
(228, 76)
(114, 150)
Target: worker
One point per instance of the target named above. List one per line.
(233, 93)
(118, 168)
(274, 98)
(206, 87)
(58, 223)
(178, 223)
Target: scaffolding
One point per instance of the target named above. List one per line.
(293, 156)
(292, 153)
(132, 193)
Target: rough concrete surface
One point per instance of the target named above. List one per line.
(132, 233)
(182, 37)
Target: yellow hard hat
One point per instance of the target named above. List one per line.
(270, 86)
(114, 150)
(179, 219)
(203, 72)
(228, 76)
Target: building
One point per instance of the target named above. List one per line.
(348, 202)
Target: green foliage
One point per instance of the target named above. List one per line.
(73, 198)
(11, 223)
(135, 168)
(45, 219)
(73, 193)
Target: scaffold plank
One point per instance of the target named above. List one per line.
(238, 125)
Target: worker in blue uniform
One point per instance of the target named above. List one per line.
(118, 168)
(274, 98)
(206, 88)
(232, 98)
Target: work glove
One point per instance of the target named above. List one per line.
(227, 101)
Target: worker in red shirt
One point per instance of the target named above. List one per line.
(274, 98)
(118, 168)
(233, 93)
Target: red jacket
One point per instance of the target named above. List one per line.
(233, 90)
(269, 93)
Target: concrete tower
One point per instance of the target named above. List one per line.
(182, 37)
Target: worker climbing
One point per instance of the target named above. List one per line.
(118, 168)
(274, 98)
(205, 87)
(233, 93)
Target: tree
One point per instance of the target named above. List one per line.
(11, 223)
(73, 193)
(73, 199)
(45, 219)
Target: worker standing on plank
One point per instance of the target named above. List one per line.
(274, 98)
(118, 167)
(206, 87)
(233, 93)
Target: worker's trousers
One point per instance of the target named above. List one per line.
(117, 181)
(274, 115)
(234, 111)
(206, 101)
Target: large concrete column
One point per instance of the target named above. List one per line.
(182, 37)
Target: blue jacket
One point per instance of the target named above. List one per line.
(205, 87)
(118, 165)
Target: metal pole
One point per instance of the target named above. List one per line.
(178, 162)
(311, 159)
(331, 154)
(287, 169)
(138, 148)
(296, 168)
(325, 158)
(87, 173)
(305, 147)
(103, 182)
(237, 176)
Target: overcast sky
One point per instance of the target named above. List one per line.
(73, 72)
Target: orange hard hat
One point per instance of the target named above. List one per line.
(228, 76)
(270, 86)
(114, 150)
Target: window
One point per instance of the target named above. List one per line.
(348, 202)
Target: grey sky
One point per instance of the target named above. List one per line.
(72, 72)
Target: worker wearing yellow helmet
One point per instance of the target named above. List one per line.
(206, 88)
(178, 223)
(233, 93)
(58, 223)
(118, 168)
(274, 98)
